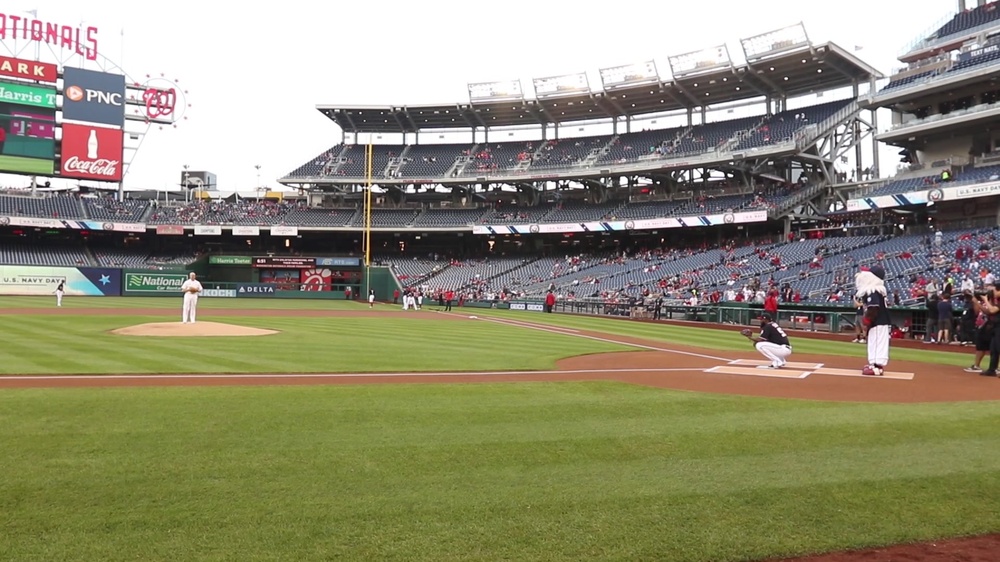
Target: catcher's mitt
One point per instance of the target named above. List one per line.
(745, 332)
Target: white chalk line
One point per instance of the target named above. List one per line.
(337, 375)
(545, 328)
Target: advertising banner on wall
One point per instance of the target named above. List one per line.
(741, 217)
(91, 153)
(316, 279)
(169, 230)
(79, 281)
(255, 290)
(207, 230)
(229, 260)
(284, 231)
(93, 97)
(152, 283)
(76, 225)
(338, 262)
(284, 262)
(246, 231)
(29, 70)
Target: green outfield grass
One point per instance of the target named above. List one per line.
(307, 344)
(520, 472)
(532, 471)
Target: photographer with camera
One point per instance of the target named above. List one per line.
(987, 304)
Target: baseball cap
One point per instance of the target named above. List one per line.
(877, 271)
(766, 317)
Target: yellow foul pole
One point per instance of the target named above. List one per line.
(369, 172)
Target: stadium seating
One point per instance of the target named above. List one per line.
(449, 217)
(985, 58)
(968, 20)
(906, 81)
(39, 254)
(301, 216)
(566, 153)
(431, 160)
(109, 209)
(245, 212)
(783, 126)
(322, 165)
(47, 206)
(515, 157)
(353, 160)
(963, 176)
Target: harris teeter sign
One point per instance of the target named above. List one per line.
(146, 283)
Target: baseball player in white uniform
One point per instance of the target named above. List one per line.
(60, 291)
(371, 298)
(191, 289)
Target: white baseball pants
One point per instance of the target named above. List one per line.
(59, 296)
(878, 345)
(777, 354)
(190, 308)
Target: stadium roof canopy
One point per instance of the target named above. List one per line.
(780, 64)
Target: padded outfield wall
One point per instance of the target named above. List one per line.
(28, 280)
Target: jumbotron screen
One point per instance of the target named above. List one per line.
(27, 129)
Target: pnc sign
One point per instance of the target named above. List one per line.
(93, 97)
(30, 70)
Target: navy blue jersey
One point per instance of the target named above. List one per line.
(877, 301)
(773, 333)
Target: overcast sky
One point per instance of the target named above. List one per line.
(254, 76)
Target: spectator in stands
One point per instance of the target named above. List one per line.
(771, 303)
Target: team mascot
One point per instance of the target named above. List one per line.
(871, 291)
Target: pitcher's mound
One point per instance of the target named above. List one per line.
(198, 329)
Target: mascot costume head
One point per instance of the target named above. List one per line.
(870, 281)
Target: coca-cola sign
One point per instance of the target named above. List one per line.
(91, 153)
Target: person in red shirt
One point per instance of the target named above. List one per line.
(448, 297)
(550, 301)
(771, 303)
(395, 296)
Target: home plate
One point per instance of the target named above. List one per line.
(785, 373)
(857, 373)
(789, 365)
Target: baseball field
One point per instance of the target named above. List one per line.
(357, 434)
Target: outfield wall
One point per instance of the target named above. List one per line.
(42, 280)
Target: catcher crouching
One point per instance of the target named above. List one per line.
(771, 343)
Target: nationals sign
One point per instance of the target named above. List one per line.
(31, 70)
(91, 153)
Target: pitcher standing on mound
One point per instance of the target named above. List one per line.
(191, 288)
(877, 324)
